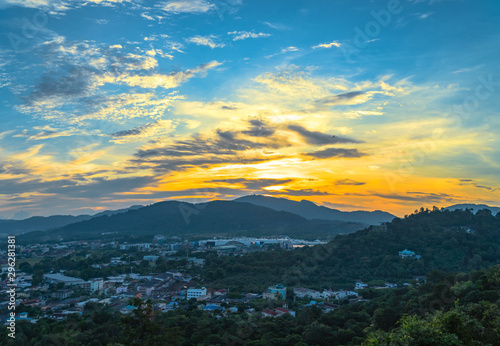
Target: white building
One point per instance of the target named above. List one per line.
(305, 292)
(360, 286)
(196, 292)
(93, 285)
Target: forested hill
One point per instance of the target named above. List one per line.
(310, 210)
(216, 218)
(452, 241)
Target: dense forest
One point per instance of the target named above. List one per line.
(453, 241)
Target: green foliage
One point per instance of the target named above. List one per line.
(371, 255)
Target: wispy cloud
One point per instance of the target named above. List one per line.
(327, 45)
(283, 51)
(242, 35)
(336, 152)
(277, 26)
(186, 6)
(319, 138)
(205, 41)
(146, 131)
(349, 182)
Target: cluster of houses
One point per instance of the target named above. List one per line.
(60, 295)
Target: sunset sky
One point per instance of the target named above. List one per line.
(356, 105)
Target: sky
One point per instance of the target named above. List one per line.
(355, 105)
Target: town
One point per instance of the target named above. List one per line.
(57, 280)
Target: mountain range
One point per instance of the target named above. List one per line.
(174, 218)
(41, 223)
(311, 211)
(254, 215)
(474, 207)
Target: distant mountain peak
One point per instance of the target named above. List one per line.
(310, 210)
(474, 207)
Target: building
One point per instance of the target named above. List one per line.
(58, 278)
(305, 292)
(360, 286)
(62, 294)
(93, 285)
(151, 258)
(409, 254)
(269, 313)
(159, 239)
(196, 292)
(286, 244)
(273, 292)
(283, 311)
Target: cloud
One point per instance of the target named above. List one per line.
(157, 80)
(336, 152)
(57, 6)
(473, 183)
(259, 129)
(283, 51)
(242, 35)
(252, 184)
(45, 132)
(327, 45)
(349, 182)
(352, 97)
(468, 69)
(214, 147)
(417, 197)
(302, 192)
(205, 41)
(219, 143)
(186, 6)
(319, 138)
(77, 70)
(359, 114)
(71, 82)
(277, 26)
(146, 131)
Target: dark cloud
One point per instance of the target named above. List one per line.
(222, 146)
(319, 138)
(166, 164)
(225, 143)
(259, 129)
(349, 182)
(226, 135)
(304, 192)
(339, 99)
(71, 69)
(101, 187)
(222, 142)
(228, 108)
(135, 131)
(71, 82)
(419, 197)
(471, 182)
(253, 184)
(336, 152)
(19, 186)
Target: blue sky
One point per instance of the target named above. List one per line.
(109, 103)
